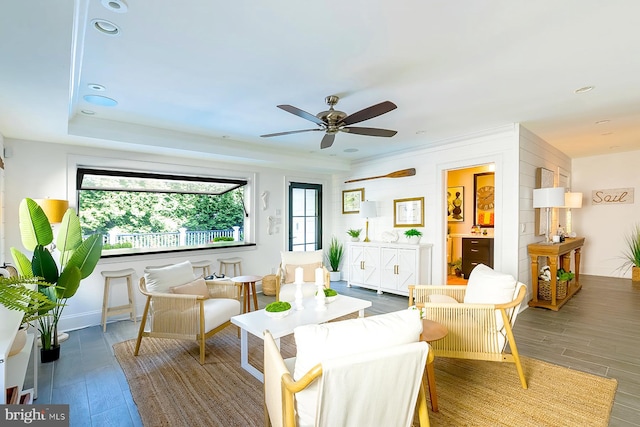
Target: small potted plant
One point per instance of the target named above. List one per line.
(413, 236)
(456, 266)
(334, 256)
(631, 254)
(278, 309)
(355, 234)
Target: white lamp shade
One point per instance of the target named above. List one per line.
(572, 200)
(552, 197)
(368, 209)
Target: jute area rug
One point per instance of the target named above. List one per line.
(171, 388)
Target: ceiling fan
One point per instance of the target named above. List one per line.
(334, 121)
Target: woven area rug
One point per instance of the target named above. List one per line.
(171, 388)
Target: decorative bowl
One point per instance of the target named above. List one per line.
(278, 314)
(330, 299)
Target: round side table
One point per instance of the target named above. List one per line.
(248, 284)
(432, 331)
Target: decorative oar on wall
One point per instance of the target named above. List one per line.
(397, 174)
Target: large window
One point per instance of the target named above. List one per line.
(144, 212)
(305, 217)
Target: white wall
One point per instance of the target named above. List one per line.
(499, 146)
(605, 226)
(40, 170)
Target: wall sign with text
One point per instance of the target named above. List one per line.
(615, 196)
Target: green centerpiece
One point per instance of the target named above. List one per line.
(277, 306)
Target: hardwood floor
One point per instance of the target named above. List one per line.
(597, 331)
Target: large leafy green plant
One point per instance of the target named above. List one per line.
(77, 260)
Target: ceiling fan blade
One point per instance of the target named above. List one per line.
(369, 113)
(301, 113)
(370, 131)
(327, 141)
(288, 133)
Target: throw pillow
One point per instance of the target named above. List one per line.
(442, 298)
(308, 272)
(486, 286)
(197, 287)
(161, 280)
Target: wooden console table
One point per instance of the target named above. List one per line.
(553, 253)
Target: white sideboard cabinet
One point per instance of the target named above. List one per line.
(388, 267)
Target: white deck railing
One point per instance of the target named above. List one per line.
(178, 238)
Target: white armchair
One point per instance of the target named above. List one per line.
(309, 261)
(358, 372)
(181, 306)
(479, 316)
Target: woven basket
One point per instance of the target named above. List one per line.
(269, 284)
(544, 290)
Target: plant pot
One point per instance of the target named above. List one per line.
(334, 276)
(50, 354)
(635, 274)
(18, 342)
(458, 272)
(355, 239)
(414, 240)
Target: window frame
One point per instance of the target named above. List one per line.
(76, 162)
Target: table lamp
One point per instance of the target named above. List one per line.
(551, 197)
(54, 209)
(571, 201)
(367, 210)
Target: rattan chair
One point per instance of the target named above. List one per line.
(184, 315)
(476, 331)
(309, 261)
(379, 387)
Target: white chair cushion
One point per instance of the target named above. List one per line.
(486, 286)
(161, 280)
(288, 292)
(197, 287)
(436, 298)
(316, 343)
(219, 310)
(300, 257)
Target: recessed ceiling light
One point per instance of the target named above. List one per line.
(117, 6)
(601, 122)
(106, 27)
(88, 112)
(96, 87)
(584, 89)
(100, 100)
(351, 150)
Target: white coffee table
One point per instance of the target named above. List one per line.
(256, 322)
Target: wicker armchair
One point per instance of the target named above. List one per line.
(200, 306)
(309, 261)
(476, 331)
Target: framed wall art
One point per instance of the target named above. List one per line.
(408, 212)
(351, 200)
(455, 204)
(484, 194)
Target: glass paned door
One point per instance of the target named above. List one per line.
(305, 217)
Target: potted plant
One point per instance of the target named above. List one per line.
(334, 256)
(631, 254)
(77, 261)
(413, 236)
(355, 234)
(278, 309)
(456, 266)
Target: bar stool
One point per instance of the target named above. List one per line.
(127, 308)
(227, 262)
(204, 265)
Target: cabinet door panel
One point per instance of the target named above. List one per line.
(407, 268)
(389, 261)
(371, 258)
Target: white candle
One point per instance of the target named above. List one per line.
(298, 277)
(319, 274)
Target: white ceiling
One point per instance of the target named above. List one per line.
(204, 77)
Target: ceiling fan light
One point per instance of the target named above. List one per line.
(106, 27)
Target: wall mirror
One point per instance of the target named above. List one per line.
(484, 194)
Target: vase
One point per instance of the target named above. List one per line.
(355, 239)
(414, 240)
(334, 276)
(50, 354)
(635, 274)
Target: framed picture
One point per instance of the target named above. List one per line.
(455, 204)
(484, 194)
(351, 200)
(408, 212)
